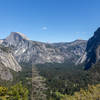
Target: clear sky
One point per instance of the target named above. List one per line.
(50, 20)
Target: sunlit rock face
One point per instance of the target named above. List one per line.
(5, 73)
(15, 38)
(35, 52)
(98, 53)
(7, 62)
(93, 49)
(1, 41)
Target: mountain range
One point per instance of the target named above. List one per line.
(17, 48)
(25, 50)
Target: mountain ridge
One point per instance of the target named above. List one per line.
(39, 52)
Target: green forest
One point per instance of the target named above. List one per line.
(69, 82)
(63, 81)
(20, 87)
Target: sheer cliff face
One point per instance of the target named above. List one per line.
(38, 52)
(93, 49)
(7, 61)
(5, 73)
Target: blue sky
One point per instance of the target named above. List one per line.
(50, 20)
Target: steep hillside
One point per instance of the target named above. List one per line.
(93, 49)
(7, 61)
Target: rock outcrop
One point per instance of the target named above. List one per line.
(7, 62)
(93, 50)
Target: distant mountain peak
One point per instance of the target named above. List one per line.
(79, 39)
(20, 34)
(15, 38)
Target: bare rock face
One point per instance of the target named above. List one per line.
(27, 51)
(82, 59)
(93, 49)
(92, 52)
(1, 41)
(7, 61)
(5, 73)
(15, 37)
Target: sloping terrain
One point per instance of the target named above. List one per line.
(92, 52)
(7, 61)
(93, 49)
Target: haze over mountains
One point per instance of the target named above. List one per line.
(35, 52)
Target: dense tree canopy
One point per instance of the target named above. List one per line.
(66, 80)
